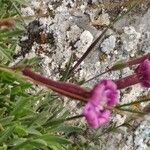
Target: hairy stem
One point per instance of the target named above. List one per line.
(67, 89)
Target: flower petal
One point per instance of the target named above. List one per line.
(91, 115)
(143, 73)
(103, 94)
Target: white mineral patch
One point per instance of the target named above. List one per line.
(133, 94)
(27, 11)
(68, 2)
(108, 44)
(130, 38)
(119, 119)
(74, 33)
(145, 21)
(35, 4)
(45, 64)
(46, 22)
(86, 39)
(142, 137)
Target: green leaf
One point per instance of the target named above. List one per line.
(33, 131)
(69, 129)
(38, 143)
(133, 111)
(54, 122)
(21, 131)
(2, 111)
(57, 147)
(16, 90)
(20, 104)
(31, 61)
(40, 118)
(3, 52)
(145, 99)
(18, 141)
(118, 66)
(6, 120)
(11, 33)
(66, 72)
(6, 133)
(4, 147)
(20, 144)
(50, 139)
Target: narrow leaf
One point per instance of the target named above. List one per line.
(54, 139)
(6, 133)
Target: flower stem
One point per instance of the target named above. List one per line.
(67, 89)
(74, 117)
(137, 60)
(127, 81)
(122, 64)
(96, 76)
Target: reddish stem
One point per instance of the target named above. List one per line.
(137, 60)
(67, 89)
(127, 81)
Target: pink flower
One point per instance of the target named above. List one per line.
(104, 94)
(143, 73)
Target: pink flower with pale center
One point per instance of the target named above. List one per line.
(103, 95)
(143, 73)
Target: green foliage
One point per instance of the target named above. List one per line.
(29, 119)
(9, 37)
